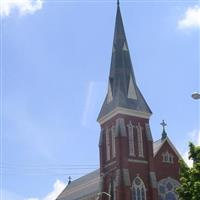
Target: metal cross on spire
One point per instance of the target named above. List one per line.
(164, 134)
(69, 180)
(163, 124)
(118, 2)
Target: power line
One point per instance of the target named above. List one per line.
(38, 169)
(42, 174)
(46, 164)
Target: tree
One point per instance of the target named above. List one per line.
(190, 177)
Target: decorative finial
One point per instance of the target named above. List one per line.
(163, 124)
(164, 134)
(69, 180)
(117, 2)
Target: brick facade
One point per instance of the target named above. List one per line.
(121, 170)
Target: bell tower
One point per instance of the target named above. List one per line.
(126, 146)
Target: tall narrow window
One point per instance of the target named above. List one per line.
(107, 144)
(112, 190)
(113, 141)
(167, 157)
(138, 188)
(131, 139)
(140, 141)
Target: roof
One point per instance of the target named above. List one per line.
(88, 185)
(156, 146)
(122, 88)
(85, 186)
(159, 143)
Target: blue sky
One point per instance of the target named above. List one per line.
(55, 60)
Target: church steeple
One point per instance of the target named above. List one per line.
(123, 91)
(125, 144)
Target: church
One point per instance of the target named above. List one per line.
(132, 165)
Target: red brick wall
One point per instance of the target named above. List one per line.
(122, 156)
(164, 169)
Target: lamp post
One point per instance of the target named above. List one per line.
(101, 193)
(196, 95)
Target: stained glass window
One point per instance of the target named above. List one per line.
(167, 189)
(138, 188)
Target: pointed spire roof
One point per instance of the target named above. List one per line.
(123, 91)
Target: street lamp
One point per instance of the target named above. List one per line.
(101, 193)
(196, 95)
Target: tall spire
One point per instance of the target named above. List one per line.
(123, 91)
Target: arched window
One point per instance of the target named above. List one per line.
(131, 139)
(167, 189)
(107, 144)
(113, 141)
(140, 141)
(138, 188)
(167, 157)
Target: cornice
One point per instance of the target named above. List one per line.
(124, 111)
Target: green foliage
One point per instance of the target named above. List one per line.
(190, 177)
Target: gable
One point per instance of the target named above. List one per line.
(159, 144)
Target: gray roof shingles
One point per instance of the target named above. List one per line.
(85, 186)
(156, 146)
(121, 71)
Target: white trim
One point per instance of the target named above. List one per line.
(125, 111)
(167, 157)
(131, 140)
(109, 164)
(109, 95)
(138, 161)
(141, 188)
(172, 146)
(131, 90)
(125, 47)
(169, 179)
(140, 140)
(113, 141)
(107, 144)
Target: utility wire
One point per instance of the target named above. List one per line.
(38, 169)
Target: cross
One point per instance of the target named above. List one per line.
(70, 180)
(163, 124)
(118, 2)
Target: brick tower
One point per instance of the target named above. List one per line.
(126, 145)
(132, 166)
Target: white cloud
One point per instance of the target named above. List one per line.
(88, 103)
(57, 189)
(23, 7)
(191, 18)
(186, 159)
(194, 137)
